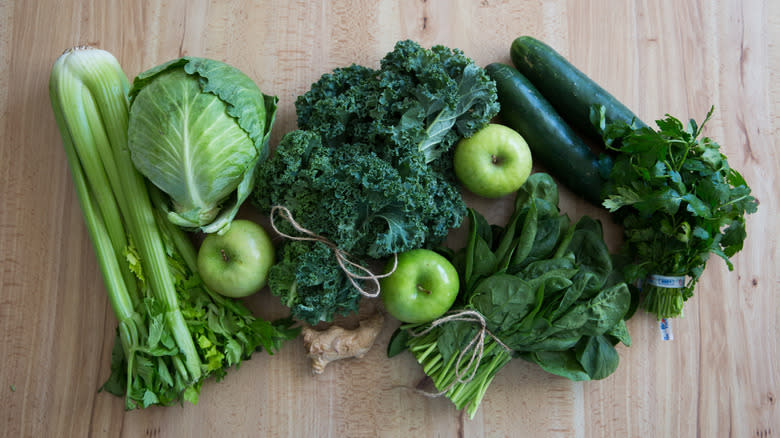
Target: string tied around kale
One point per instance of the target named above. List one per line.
(342, 257)
(476, 347)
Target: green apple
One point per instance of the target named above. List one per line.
(422, 288)
(493, 162)
(236, 263)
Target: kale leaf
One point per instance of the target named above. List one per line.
(311, 283)
(370, 166)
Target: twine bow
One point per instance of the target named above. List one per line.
(341, 256)
(476, 346)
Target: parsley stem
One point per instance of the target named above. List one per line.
(734, 201)
(664, 302)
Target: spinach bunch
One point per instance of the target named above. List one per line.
(678, 200)
(547, 289)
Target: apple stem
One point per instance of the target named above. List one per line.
(495, 159)
(224, 255)
(422, 289)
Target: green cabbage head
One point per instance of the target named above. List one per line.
(198, 130)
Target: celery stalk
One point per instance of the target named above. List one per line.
(108, 85)
(88, 90)
(107, 239)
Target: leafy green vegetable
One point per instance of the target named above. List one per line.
(679, 201)
(547, 290)
(198, 129)
(172, 331)
(315, 287)
(370, 168)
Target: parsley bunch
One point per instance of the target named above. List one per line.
(678, 200)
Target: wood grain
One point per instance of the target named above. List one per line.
(719, 377)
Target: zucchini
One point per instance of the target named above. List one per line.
(553, 143)
(570, 91)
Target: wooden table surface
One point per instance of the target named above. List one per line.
(719, 377)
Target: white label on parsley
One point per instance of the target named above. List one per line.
(666, 281)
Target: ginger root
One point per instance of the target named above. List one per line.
(334, 343)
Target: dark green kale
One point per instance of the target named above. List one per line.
(370, 167)
(418, 104)
(547, 289)
(679, 201)
(310, 282)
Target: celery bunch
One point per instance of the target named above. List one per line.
(172, 332)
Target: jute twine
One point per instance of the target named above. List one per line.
(342, 257)
(476, 346)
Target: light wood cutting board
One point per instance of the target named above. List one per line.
(719, 377)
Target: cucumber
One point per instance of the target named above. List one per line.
(570, 91)
(553, 143)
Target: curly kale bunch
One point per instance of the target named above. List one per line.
(370, 167)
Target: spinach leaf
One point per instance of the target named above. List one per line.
(453, 338)
(538, 187)
(561, 363)
(398, 342)
(619, 333)
(595, 316)
(524, 242)
(590, 252)
(572, 294)
(504, 300)
(597, 356)
(479, 259)
(548, 233)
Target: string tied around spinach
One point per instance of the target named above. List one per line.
(474, 349)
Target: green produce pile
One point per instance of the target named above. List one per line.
(547, 291)
(368, 176)
(370, 169)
